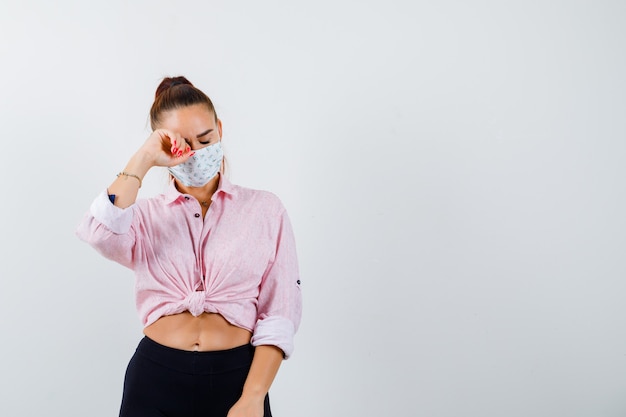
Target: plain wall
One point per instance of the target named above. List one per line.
(454, 172)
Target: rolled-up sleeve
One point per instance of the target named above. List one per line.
(107, 228)
(280, 298)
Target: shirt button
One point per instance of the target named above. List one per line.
(186, 197)
(196, 215)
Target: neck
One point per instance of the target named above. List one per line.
(202, 194)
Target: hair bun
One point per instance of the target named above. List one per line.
(169, 82)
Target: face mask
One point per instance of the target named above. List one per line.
(201, 167)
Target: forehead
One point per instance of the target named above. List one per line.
(189, 120)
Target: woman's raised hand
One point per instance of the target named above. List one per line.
(163, 148)
(166, 148)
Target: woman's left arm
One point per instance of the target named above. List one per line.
(267, 360)
(279, 310)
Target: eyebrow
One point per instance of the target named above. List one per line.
(204, 133)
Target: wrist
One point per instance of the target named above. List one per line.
(139, 164)
(253, 393)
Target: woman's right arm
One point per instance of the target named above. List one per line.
(163, 148)
(107, 224)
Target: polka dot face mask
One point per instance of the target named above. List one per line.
(201, 167)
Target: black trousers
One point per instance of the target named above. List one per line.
(166, 382)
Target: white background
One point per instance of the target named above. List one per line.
(454, 172)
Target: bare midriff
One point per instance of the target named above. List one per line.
(207, 332)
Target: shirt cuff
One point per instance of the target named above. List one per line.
(275, 331)
(116, 219)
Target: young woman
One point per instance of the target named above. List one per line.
(217, 286)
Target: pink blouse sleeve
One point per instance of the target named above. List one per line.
(107, 228)
(280, 299)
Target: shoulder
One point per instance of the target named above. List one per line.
(155, 203)
(260, 199)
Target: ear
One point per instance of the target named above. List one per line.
(219, 128)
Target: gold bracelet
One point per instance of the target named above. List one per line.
(126, 174)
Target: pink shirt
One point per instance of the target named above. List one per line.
(239, 261)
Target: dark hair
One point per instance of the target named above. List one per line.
(174, 93)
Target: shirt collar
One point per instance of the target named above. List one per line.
(224, 186)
